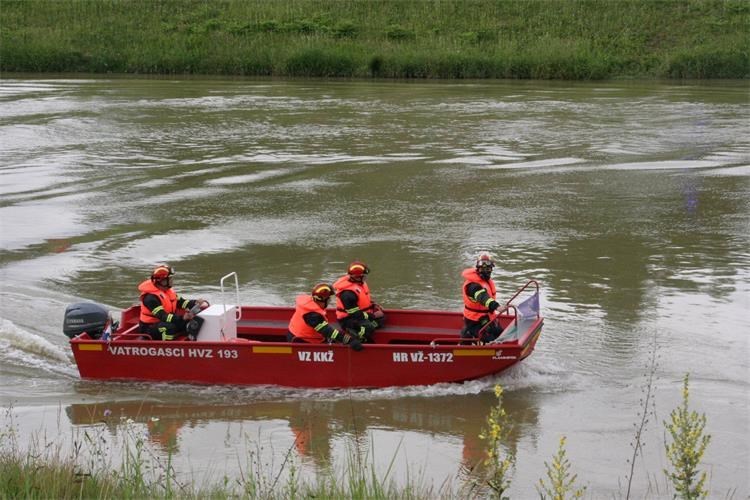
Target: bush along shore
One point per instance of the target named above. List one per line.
(89, 470)
(539, 39)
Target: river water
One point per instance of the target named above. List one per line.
(629, 202)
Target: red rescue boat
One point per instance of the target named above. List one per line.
(246, 345)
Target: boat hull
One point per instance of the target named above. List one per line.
(416, 348)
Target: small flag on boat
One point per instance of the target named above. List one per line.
(529, 307)
(107, 333)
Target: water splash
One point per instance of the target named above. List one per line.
(23, 348)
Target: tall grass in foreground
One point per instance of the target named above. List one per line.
(646, 410)
(544, 39)
(495, 476)
(43, 470)
(686, 450)
(561, 480)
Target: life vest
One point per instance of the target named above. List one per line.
(474, 310)
(362, 290)
(298, 327)
(168, 299)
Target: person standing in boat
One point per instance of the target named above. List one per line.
(309, 324)
(164, 314)
(479, 301)
(355, 310)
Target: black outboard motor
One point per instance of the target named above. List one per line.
(86, 317)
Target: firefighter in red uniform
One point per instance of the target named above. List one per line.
(309, 324)
(355, 310)
(479, 301)
(164, 314)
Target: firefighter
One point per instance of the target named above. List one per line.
(164, 314)
(355, 310)
(309, 324)
(479, 301)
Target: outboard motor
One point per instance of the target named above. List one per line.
(86, 317)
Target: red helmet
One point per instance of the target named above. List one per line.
(358, 269)
(162, 271)
(322, 292)
(162, 276)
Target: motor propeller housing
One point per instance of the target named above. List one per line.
(88, 317)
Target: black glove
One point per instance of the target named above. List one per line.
(193, 327)
(493, 305)
(352, 341)
(356, 345)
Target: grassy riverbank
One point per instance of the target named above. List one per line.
(546, 39)
(90, 471)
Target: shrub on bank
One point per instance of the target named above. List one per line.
(318, 62)
(707, 62)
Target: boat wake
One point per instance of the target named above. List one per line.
(24, 349)
(532, 374)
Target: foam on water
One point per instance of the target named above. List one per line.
(661, 165)
(23, 348)
(234, 233)
(187, 194)
(740, 171)
(306, 185)
(248, 178)
(551, 162)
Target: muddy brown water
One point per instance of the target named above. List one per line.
(629, 202)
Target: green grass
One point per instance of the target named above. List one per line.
(546, 39)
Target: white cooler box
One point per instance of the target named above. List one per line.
(217, 319)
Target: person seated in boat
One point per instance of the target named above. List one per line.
(355, 310)
(479, 301)
(309, 324)
(164, 314)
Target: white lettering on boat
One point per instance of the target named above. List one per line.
(167, 352)
(316, 356)
(421, 357)
(173, 352)
(200, 353)
(440, 357)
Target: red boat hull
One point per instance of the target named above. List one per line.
(415, 348)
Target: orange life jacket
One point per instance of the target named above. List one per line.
(362, 290)
(168, 301)
(474, 310)
(306, 304)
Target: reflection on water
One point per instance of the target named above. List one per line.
(313, 424)
(627, 201)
